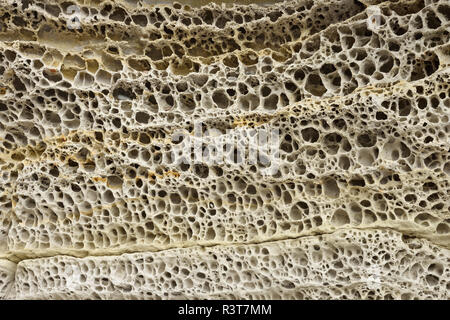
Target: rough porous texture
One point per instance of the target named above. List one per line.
(356, 264)
(322, 128)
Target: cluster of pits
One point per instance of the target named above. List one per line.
(353, 264)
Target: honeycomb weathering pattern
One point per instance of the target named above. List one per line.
(105, 106)
(7, 273)
(360, 264)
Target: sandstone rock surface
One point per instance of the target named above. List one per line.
(233, 149)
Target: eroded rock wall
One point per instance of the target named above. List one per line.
(105, 107)
(7, 275)
(359, 264)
